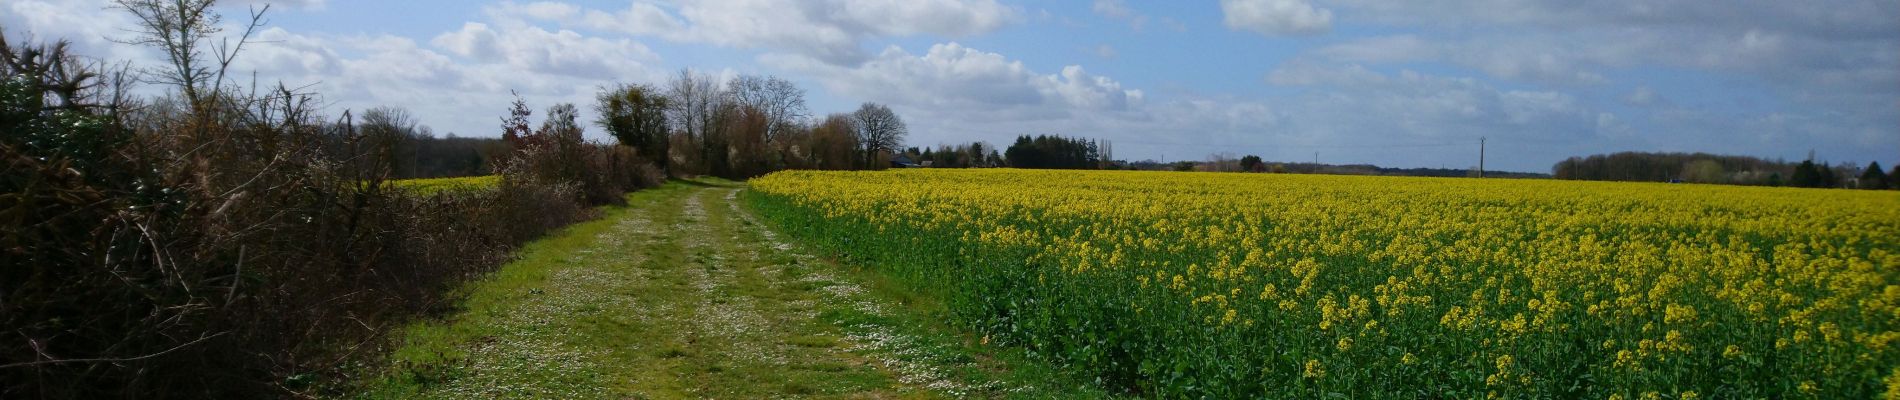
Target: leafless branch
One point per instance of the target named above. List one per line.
(111, 360)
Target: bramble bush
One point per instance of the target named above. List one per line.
(217, 243)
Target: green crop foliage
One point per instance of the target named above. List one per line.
(1202, 285)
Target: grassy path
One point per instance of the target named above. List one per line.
(683, 294)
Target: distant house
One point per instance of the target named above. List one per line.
(902, 161)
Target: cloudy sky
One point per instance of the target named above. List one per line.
(1394, 83)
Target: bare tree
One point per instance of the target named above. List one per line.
(1221, 162)
(879, 129)
(183, 30)
(692, 98)
(834, 142)
(746, 154)
(780, 106)
(698, 105)
(781, 102)
(389, 133)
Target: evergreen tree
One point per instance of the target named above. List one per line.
(1826, 176)
(1805, 175)
(1874, 178)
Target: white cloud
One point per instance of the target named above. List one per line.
(828, 30)
(953, 93)
(1518, 59)
(939, 17)
(1080, 89)
(275, 4)
(1276, 17)
(643, 19)
(456, 75)
(1118, 10)
(1835, 19)
(544, 10)
(1836, 55)
(1550, 78)
(283, 52)
(474, 41)
(1359, 106)
(86, 23)
(951, 75)
(533, 49)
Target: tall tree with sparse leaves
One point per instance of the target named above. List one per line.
(879, 130)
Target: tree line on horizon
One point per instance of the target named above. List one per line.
(1723, 169)
(745, 127)
(693, 124)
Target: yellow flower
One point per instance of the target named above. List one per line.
(1732, 351)
(1642, 273)
(1893, 385)
(1677, 313)
(1626, 359)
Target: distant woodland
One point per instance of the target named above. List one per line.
(1722, 169)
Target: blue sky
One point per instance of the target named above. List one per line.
(1404, 84)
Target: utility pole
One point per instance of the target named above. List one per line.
(1315, 159)
(1481, 156)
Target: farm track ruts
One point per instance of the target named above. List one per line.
(688, 296)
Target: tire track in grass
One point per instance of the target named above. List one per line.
(530, 343)
(900, 354)
(683, 294)
(905, 340)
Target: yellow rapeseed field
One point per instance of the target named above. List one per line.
(1304, 286)
(429, 186)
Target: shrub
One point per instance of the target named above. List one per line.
(223, 245)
